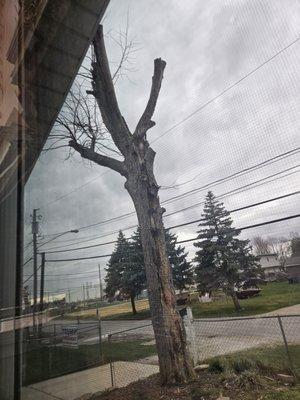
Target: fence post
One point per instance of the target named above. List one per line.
(54, 334)
(100, 336)
(112, 377)
(50, 361)
(285, 343)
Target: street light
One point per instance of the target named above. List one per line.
(59, 235)
(43, 265)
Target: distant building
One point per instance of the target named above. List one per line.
(293, 268)
(270, 265)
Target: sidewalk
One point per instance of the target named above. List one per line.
(290, 310)
(72, 386)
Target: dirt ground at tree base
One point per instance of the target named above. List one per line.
(207, 386)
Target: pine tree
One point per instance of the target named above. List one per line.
(182, 272)
(126, 272)
(134, 276)
(115, 267)
(223, 261)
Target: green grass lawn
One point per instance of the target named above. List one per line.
(274, 358)
(263, 362)
(41, 363)
(273, 296)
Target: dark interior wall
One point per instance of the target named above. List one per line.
(50, 65)
(10, 230)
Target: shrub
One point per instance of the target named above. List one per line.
(247, 381)
(216, 366)
(242, 364)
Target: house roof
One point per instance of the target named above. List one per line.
(269, 261)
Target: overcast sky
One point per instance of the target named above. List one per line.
(208, 46)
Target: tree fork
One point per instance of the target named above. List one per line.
(137, 167)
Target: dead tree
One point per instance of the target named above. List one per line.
(136, 166)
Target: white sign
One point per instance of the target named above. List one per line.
(70, 336)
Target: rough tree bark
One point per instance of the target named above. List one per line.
(137, 167)
(235, 300)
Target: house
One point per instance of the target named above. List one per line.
(42, 45)
(270, 265)
(293, 268)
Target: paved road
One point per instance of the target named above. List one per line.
(254, 331)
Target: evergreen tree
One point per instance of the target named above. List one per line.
(182, 272)
(115, 266)
(295, 244)
(223, 261)
(134, 275)
(125, 272)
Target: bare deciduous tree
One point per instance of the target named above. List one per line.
(134, 160)
(261, 246)
(277, 245)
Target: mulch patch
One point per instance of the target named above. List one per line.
(207, 386)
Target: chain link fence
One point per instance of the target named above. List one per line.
(58, 349)
(272, 341)
(96, 362)
(133, 355)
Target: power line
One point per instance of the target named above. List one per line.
(238, 190)
(225, 90)
(249, 185)
(250, 226)
(26, 262)
(236, 174)
(182, 241)
(193, 113)
(239, 209)
(66, 278)
(75, 189)
(218, 181)
(75, 273)
(185, 223)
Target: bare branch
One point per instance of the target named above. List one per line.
(128, 47)
(55, 147)
(145, 121)
(97, 158)
(104, 93)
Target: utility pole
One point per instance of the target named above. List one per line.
(83, 295)
(87, 291)
(100, 283)
(42, 282)
(35, 229)
(69, 295)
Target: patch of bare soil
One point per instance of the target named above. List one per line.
(207, 386)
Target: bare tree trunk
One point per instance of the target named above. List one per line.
(134, 312)
(235, 300)
(174, 360)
